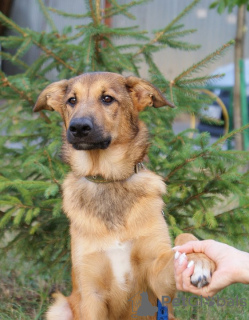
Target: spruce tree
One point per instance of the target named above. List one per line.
(201, 177)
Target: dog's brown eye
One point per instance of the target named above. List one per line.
(72, 101)
(107, 99)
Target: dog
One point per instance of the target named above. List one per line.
(120, 244)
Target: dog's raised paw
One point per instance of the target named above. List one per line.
(203, 270)
(201, 276)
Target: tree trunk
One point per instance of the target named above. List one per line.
(5, 6)
(239, 54)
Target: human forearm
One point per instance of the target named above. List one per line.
(240, 272)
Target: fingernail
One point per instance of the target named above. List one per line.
(190, 264)
(182, 258)
(177, 254)
(175, 248)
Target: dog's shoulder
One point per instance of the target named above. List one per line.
(150, 182)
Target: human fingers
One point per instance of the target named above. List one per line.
(197, 247)
(180, 264)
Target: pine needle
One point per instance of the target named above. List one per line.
(204, 62)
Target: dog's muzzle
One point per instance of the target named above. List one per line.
(83, 134)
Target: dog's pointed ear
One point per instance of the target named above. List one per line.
(143, 94)
(51, 98)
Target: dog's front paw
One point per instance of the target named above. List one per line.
(204, 268)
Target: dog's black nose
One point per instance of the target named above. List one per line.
(80, 127)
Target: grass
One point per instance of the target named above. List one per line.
(25, 291)
(232, 303)
(25, 288)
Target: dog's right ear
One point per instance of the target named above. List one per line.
(145, 94)
(51, 98)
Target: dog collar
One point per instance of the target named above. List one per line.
(101, 179)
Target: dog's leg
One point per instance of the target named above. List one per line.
(204, 267)
(92, 308)
(161, 280)
(155, 260)
(91, 287)
(157, 268)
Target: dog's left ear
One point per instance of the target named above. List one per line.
(51, 98)
(145, 94)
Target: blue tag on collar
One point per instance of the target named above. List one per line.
(162, 313)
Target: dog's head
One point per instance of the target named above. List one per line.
(100, 108)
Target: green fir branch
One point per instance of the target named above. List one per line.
(181, 15)
(181, 45)
(161, 33)
(22, 94)
(200, 178)
(204, 62)
(117, 9)
(12, 25)
(24, 47)
(69, 15)
(199, 81)
(6, 21)
(229, 135)
(184, 163)
(47, 16)
(16, 61)
(172, 34)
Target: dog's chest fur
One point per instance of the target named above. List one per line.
(107, 201)
(119, 255)
(111, 203)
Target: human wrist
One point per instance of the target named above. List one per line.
(241, 273)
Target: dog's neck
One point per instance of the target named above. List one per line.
(100, 179)
(116, 163)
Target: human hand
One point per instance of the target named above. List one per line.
(232, 266)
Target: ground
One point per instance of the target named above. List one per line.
(25, 290)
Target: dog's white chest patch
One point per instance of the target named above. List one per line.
(120, 257)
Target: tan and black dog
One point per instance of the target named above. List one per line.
(119, 239)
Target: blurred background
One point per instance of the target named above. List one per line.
(213, 29)
(207, 186)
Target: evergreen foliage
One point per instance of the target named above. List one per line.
(200, 177)
(222, 5)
